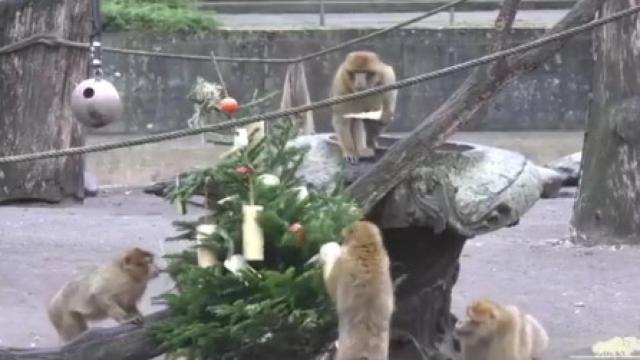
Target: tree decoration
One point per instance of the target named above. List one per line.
(268, 180)
(206, 256)
(229, 105)
(243, 170)
(252, 235)
(276, 308)
(298, 230)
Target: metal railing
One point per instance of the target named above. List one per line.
(324, 7)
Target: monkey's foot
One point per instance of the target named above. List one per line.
(351, 159)
(367, 152)
(136, 320)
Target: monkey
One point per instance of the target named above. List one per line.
(363, 293)
(494, 332)
(110, 291)
(359, 71)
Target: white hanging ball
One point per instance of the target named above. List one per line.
(235, 263)
(96, 103)
(302, 192)
(268, 180)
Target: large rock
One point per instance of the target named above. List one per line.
(569, 167)
(552, 182)
(471, 188)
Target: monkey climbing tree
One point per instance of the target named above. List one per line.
(276, 308)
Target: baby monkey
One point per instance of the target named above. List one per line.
(494, 332)
(110, 291)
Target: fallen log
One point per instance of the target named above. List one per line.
(124, 342)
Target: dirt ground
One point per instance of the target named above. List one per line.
(582, 295)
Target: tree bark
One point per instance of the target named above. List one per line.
(35, 84)
(607, 209)
(430, 261)
(423, 297)
(470, 97)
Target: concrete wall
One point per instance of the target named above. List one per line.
(359, 6)
(154, 89)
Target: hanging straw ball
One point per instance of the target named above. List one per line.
(96, 103)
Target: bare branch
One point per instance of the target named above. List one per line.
(470, 97)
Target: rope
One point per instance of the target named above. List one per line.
(326, 102)
(219, 74)
(52, 40)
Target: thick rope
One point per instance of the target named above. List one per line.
(52, 40)
(326, 102)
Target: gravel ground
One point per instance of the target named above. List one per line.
(581, 295)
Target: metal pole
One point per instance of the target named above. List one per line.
(321, 12)
(452, 15)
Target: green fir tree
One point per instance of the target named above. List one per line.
(279, 310)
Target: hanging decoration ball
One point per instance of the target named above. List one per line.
(298, 230)
(236, 263)
(243, 170)
(96, 103)
(302, 192)
(268, 180)
(229, 105)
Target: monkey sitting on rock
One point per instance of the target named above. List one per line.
(362, 70)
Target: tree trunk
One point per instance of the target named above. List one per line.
(35, 84)
(423, 298)
(607, 210)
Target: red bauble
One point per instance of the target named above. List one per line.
(243, 170)
(298, 230)
(229, 105)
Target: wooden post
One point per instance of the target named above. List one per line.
(607, 210)
(35, 85)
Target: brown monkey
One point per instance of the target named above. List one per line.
(362, 70)
(111, 291)
(493, 332)
(363, 294)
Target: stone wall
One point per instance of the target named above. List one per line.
(154, 89)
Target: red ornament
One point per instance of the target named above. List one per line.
(229, 105)
(298, 230)
(243, 170)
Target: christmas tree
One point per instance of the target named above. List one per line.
(258, 297)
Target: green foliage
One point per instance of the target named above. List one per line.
(281, 308)
(155, 15)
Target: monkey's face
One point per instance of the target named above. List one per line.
(140, 265)
(363, 80)
(482, 323)
(361, 229)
